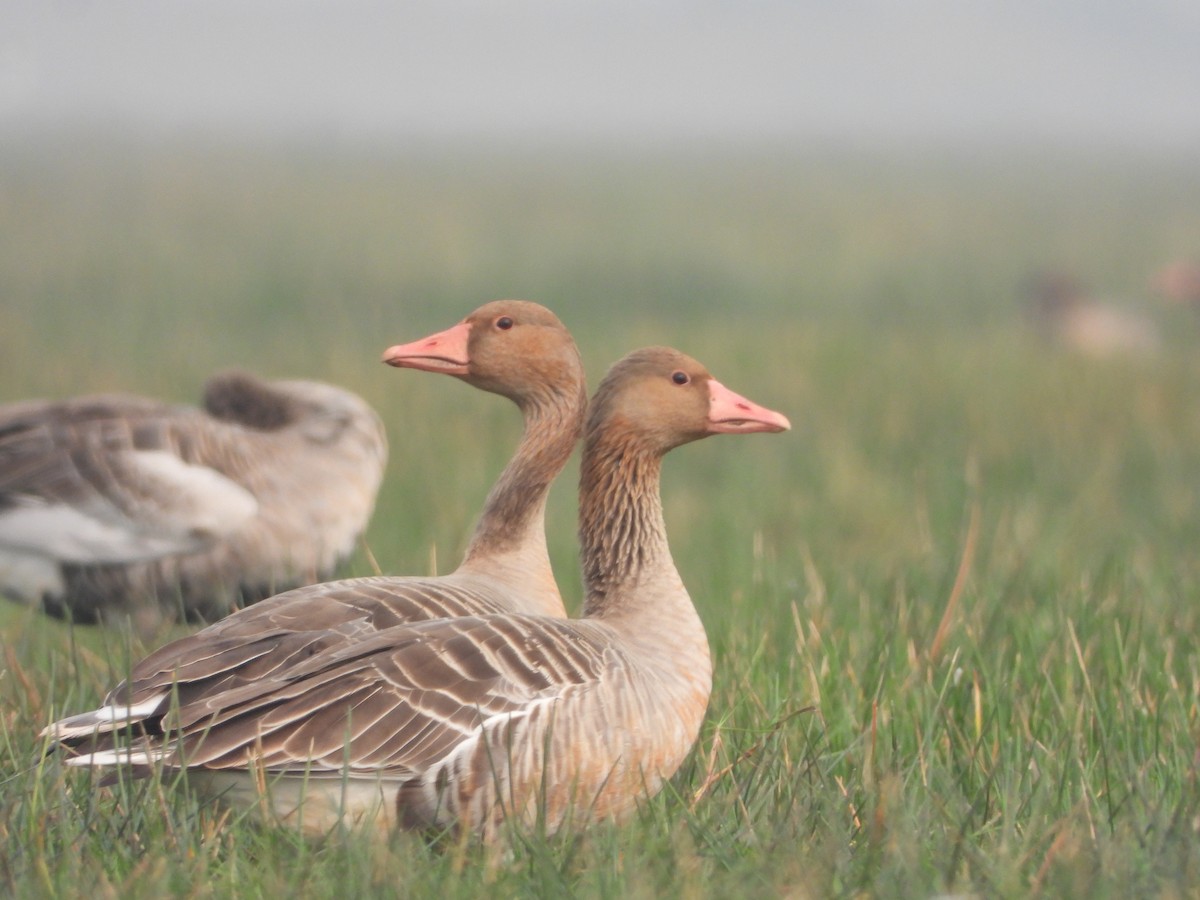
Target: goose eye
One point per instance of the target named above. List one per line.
(680, 378)
(504, 323)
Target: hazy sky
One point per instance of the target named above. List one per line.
(1081, 71)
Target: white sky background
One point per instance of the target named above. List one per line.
(1122, 74)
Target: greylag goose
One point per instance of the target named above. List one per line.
(1064, 312)
(511, 347)
(115, 505)
(476, 720)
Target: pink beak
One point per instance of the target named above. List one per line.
(445, 352)
(730, 413)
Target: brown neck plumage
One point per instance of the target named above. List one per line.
(621, 528)
(516, 503)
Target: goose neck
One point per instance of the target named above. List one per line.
(514, 514)
(623, 540)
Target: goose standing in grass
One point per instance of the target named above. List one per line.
(476, 720)
(511, 347)
(119, 506)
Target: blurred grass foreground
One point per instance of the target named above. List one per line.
(974, 558)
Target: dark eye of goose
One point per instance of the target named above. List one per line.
(504, 323)
(680, 378)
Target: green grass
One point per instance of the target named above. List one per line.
(953, 612)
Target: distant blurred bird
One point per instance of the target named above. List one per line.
(115, 505)
(1060, 308)
(1179, 282)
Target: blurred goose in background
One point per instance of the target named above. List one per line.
(478, 719)
(511, 347)
(1065, 313)
(1179, 282)
(118, 506)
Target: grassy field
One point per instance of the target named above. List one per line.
(953, 613)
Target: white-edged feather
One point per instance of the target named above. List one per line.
(120, 756)
(102, 719)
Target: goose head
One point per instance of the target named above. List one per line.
(514, 348)
(660, 398)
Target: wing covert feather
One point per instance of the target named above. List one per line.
(400, 701)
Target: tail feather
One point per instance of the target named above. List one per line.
(104, 720)
(120, 756)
